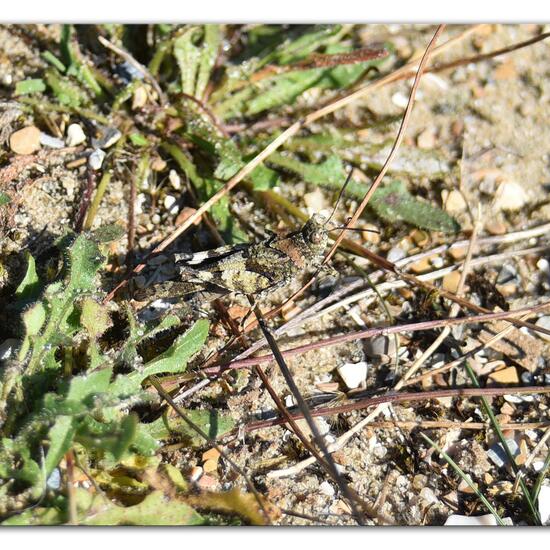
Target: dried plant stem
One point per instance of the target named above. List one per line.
(376, 331)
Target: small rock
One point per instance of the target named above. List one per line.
(75, 135)
(25, 141)
(315, 200)
(487, 519)
(210, 465)
(458, 252)
(543, 265)
(353, 374)
(174, 179)
(399, 99)
(95, 160)
(450, 281)
(495, 227)
(211, 454)
(454, 201)
(420, 237)
(381, 346)
(544, 504)
(419, 481)
(327, 489)
(527, 378)
(50, 141)
(507, 274)
(170, 204)
(421, 266)
(139, 98)
(510, 196)
(158, 164)
(110, 136)
(54, 480)
(196, 473)
(207, 482)
(8, 348)
(371, 236)
(464, 487)
(395, 254)
(428, 496)
(426, 139)
(498, 455)
(505, 377)
(543, 322)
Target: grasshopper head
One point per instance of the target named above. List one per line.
(315, 235)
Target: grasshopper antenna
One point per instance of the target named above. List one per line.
(348, 179)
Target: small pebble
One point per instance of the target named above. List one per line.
(170, 204)
(450, 281)
(327, 489)
(210, 466)
(505, 377)
(75, 135)
(543, 265)
(400, 99)
(527, 378)
(174, 179)
(196, 473)
(543, 322)
(110, 136)
(507, 274)
(495, 227)
(54, 480)
(95, 160)
(353, 374)
(155, 219)
(421, 266)
(426, 139)
(207, 482)
(139, 98)
(510, 196)
(472, 521)
(315, 201)
(25, 141)
(380, 346)
(498, 455)
(158, 164)
(50, 141)
(8, 347)
(454, 201)
(372, 236)
(211, 454)
(395, 254)
(463, 487)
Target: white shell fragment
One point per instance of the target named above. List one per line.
(544, 504)
(75, 135)
(95, 160)
(472, 521)
(50, 141)
(353, 374)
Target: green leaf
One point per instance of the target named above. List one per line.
(29, 286)
(209, 53)
(64, 90)
(173, 360)
(30, 86)
(394, 202)
(188, 57)
(61, 439)
(139, 139)
(329, 172)
(155, 509)
(214, 423)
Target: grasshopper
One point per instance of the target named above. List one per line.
(254, 269)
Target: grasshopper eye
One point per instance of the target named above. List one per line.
(316, 237)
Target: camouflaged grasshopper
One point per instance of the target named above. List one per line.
(252, 269)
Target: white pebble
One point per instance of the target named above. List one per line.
(544, 504)
(353, 374)
(75, 135)
(395, 254)
(8, 347)
(487, 519)
(50, 141)
(170, 204)
(95, 160)
(510, 196)
(399, 99)
(543, 265)
(543, 322)
(327, 489)
(174, 179)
